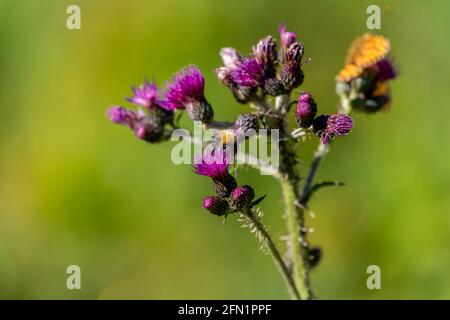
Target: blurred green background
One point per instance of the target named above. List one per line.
(76, 189)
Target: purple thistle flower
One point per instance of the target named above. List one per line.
(146, 95)
(242, 196)
(337, 125)
(146, 127)
(385, 70)
(187, 87)
(306, 110)
(249, 73)
(213, 165)
(231, 60)
(123, 116)
(230, 57)
(286, 37)
(216, 205)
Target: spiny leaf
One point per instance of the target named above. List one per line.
(316, 187)
(257, 201)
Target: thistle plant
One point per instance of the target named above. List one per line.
(267, 80)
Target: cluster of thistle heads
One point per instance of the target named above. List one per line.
(229, 196)
(269, 71)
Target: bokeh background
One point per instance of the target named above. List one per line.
(75, 189)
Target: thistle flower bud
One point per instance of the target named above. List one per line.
(149, 128)
(286, 37)
(273, 87)
(166, 116)
(320, 124)
(244, 123)
(294, 54)
(224, 185)
(216, 205)
(242, 196)
(243, 94)
(314, 256)
(329, 127)
(291, 74)
(266, 54)
(200, 111)
(306, 110)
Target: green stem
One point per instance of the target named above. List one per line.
(289, 180)
(299, 265)
(275, 253)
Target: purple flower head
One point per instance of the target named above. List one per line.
(122, 116)
(188, 86)
(230, 57)
(286, 37)
(385, 70)
(266, 54)
(237, 75)
(213, 165)
(231, 60)
(306, 110)
(294, 55)
(216, 205)
(249, 73)
(146, 95)
(242, 196)
(337, 125)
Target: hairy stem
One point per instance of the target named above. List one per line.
(299, 266)
(276, 256)
(299, 248)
